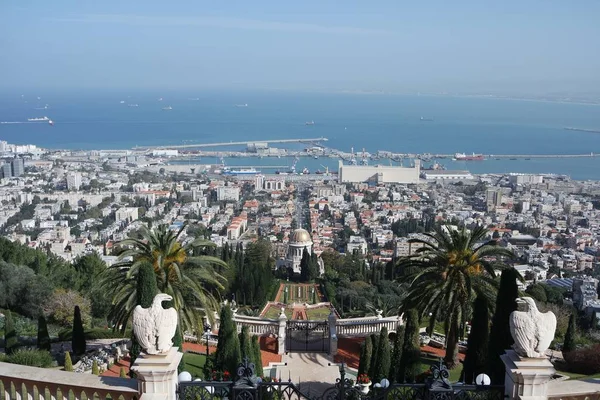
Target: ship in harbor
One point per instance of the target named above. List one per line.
(241, 171)
(40, 119)
(167, 108)
(309, 123)
(468, 157)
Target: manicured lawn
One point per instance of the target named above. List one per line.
(318, 313)
(273, 313)
(193, 363)
(573, 375)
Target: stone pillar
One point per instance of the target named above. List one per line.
(157, 374)
(281, 334)
(333, 339)
(526, 378)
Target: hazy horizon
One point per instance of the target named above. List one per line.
(529, 48)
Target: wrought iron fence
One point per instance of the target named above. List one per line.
(248, 386)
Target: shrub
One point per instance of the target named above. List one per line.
(68, 362)
(95, 369)
(92, 334)
(584, 361)
(32, 358)
(122, 373)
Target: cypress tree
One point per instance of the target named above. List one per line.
(382, 368)
(257, 356)
(178, 342)
(246, 344)
(411, 350)
(43, 338)
(78, 338)
(365, 356)
(10, 334)
(477, 343)
(228, 354)
(500, 337)
(145, 292)
(394, 374)
(68, 362)
(569, 344)
(374, 360)
(95, 369)
(305, 266)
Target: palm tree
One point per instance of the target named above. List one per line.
(190, 280)
(447, 273)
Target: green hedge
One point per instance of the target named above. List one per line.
(96, 333)
(33, 358)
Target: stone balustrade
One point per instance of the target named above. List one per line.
(22, 382)
(356, 327)
(256, 325)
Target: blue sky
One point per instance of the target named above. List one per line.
(528, 46)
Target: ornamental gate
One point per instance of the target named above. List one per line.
(307, 336)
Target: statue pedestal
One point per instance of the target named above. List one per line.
(157, 374)
(526, 378)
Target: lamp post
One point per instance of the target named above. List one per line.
(207, 335)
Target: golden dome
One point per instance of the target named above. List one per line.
(300, 236)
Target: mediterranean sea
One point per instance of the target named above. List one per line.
(89, 120)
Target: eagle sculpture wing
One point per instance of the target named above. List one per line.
(522, 329)
(166, 326)
(143, 328)
(546, 327)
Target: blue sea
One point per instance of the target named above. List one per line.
(89, 120)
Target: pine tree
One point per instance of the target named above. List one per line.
(145, 292)
(257, 356)
(228, 354)
(10, 334)
(477, 344)
(411, 351)
(374, 360)
(500, 337)
(365, 356)
(95, 369)
(43, 338)
(68, 362)
(78, 338)
(246, 344)
(394, 374)
(122, 373)
(569, 344)
(382, 368)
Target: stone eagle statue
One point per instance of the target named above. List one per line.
(532, 330)
(155, 327)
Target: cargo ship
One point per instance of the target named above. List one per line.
(466, 157)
